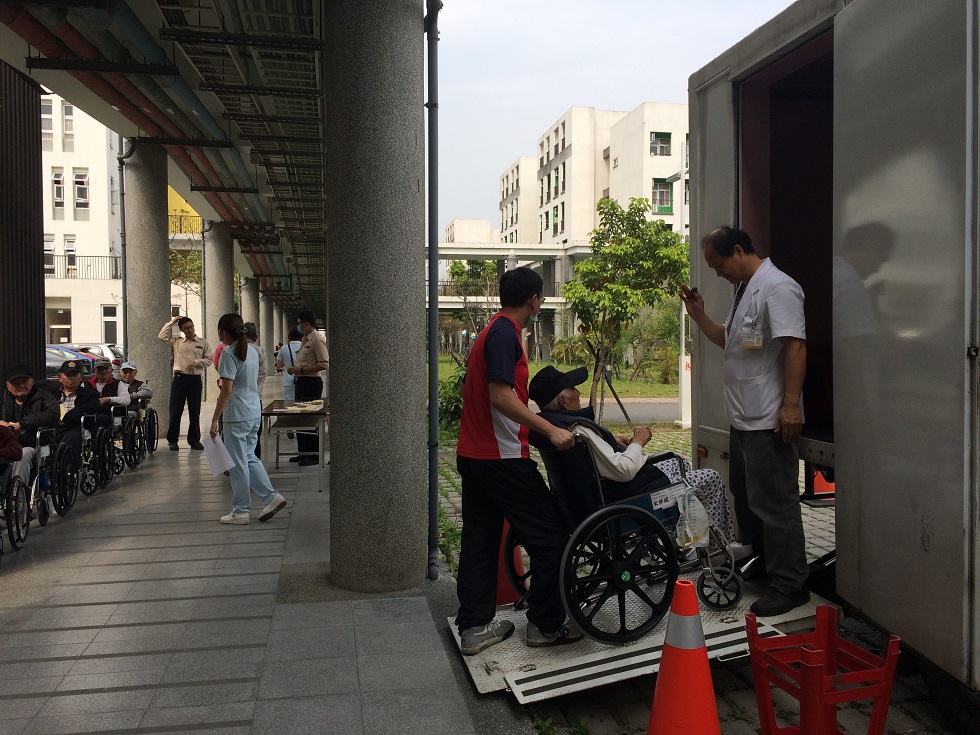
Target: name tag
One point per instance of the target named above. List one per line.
(667, 497)
(751, 339)
(45, 451)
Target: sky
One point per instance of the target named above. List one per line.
(509, 68)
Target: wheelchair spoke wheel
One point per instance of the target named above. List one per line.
(42, 509)
(16, 513)
(618, 574)
(89, 482)
(134, 445)
(118, 459)
(66, 472)
(719, 589)
(104, 456)
(151, 430)
(53, 476)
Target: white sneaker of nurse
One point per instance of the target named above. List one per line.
(235, 518)
(275, 505)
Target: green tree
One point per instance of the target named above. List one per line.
(475, 281)
(187, 271)
(635, 262)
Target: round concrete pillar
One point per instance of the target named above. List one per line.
(378, 496)
(250, 300)
(277, 334)
(147, 256)
(266, 322)
(219, 278)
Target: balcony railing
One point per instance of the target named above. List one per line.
(89, 267)
(183, 224)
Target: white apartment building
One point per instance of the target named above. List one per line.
(82, 241)
(518, 206)
(471, 230)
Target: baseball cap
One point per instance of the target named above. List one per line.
(18, 371)
(550, 381)
(71, 366)
(128, 365)
(102, 364)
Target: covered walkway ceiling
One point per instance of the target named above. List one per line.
(232, 88)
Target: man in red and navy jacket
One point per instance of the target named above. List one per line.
(500, 480)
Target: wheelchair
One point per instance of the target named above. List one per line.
(98, 453)
(619, 566)
(54, 479)
(16, 510)
(129, 446)
(150, 424)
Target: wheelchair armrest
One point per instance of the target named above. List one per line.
(45, 436)
(663, 456)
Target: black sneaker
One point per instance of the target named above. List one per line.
(174, 447)
(474, 640)
(777, 602)
(295, 459)
(198, 446)
(568, 632)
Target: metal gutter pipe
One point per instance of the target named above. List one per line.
(121, 158)
(432, 35)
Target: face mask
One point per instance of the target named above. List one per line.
(533, 318)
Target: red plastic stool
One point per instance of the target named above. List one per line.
(821, 671)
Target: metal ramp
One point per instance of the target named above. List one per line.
(534, 674)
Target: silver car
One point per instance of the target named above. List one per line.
(101, 351)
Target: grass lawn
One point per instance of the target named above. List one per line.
(639, 389)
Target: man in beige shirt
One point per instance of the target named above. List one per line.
(311, 358)
(192, 355)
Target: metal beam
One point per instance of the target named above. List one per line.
(311, 200)
(260, 118)
(248, 237)
(108, 67)
(211, 38)
(260, 151)
(284, 138)
(226, 189)
(296, 184)
(248, 223)
(297, 166)
(246, 89)
(188, 142)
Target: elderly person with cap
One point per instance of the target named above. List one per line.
(77, 399)
(138, 389)
(24, 409)
(112, 392)
(619, 459)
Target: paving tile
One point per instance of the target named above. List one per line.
(312, 615)
(111, 679)
(303, 643)
(59, 705)
(17, 708)
(223, 714)
(135, 632)
(206, 633)
(102, 722)
(390, 610)
(308, 715)
(116, 664)
(13, 727)
(205, 695)
(394, 671)
(415, 712)
(29, 685)
(397, 638)
(289, 678)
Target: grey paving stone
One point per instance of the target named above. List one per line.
(30, 669)
(390, 610)
(29, 685)
(303, 643)
(218, 713)
(312, 615)
(340, 714)
(169, 631)
(394, 671)
(59, 705)
(415, 712)
(206, 633)
(13, 727)
(397, 638)
(102, 722)
(299, 678)
(111, 680)
(228, 664)
(204, 694)
(16, 640)
(115, 664)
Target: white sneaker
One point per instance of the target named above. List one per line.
(275, 505)
(235, 518)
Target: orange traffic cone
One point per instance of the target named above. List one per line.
(506, 594)
(684, 698)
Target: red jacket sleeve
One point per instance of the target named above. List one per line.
(10, 448)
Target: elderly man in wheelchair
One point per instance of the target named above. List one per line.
(635, 523)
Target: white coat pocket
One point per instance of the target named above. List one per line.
(756, 394)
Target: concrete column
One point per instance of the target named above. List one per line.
(266, 322)
(219, 278)
(549, 277)
(378, 498)
(147, 257)
(546, 325)
(277, 333)
(250, 300)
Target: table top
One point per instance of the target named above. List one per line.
(278, 408)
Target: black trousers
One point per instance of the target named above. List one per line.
(308, 388)
(185, 389)
(494, 489)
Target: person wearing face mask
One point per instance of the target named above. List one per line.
(192, 355)
(311, 358)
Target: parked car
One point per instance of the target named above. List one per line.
(101, 351)
(55, 355)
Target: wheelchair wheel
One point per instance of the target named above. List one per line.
(618, 573)
(66, 478)
(134, 444)
(719, 590)
(16, 513)
(151, 430)
(53, 475)
(520, 582)
(104, 456)
(118, 458)
(43, 513)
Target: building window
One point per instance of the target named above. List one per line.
(659, 144)
(68, 126)
(687, 192)
(47, 124)
(554, 220)
(556, 182)
(541, 197)
(48, 255)
(556, 141)
(663, 197)
(80, 180)
(540, 227)
(110, 324)
(517, 211)
(563, 178)
(71, 260)
(616, 162)
(540, 155)
(562, 228)
(563, 136)
(547, 190)
(547, 149)
(687, 149)
(58, 189)
(547, 220)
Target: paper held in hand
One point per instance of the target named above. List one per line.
(217, 453)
